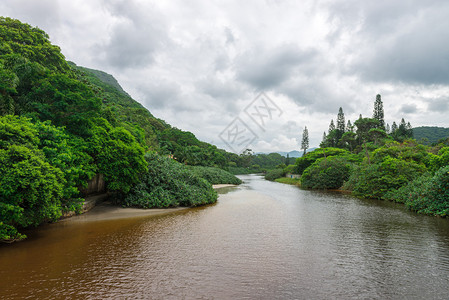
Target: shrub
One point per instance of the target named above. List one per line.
(326, 173)
(304, 162)
(169, 183)
(426, 194)
(377, 179)
(215, 175)
(274, 174)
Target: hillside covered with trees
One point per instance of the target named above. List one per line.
(61, 125)
(429, 135)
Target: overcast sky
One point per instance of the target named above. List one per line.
(199, 64)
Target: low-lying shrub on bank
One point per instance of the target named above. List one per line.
(274, 174)
(215, 175)
(426, 194)
(326, 173)
(376, 180)
(169, 183)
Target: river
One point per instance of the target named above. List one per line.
(262, 240)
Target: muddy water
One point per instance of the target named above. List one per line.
(262, 240)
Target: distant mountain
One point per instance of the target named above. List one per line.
(294, 153)
(430, 134)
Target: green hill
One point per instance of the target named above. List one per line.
(430, 134)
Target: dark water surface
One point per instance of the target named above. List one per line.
(262, 240)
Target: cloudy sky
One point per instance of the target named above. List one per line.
(199, 64)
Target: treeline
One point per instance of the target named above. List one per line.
(60, 125)
(431, 135)
(373, 160)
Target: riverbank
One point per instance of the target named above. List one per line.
(219, 186)
(108, 211)
(288, 180)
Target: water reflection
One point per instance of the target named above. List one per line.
(262, 240)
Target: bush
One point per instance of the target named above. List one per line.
(241, 170)
(377, 179)
(215, 175)
(274, 174)
(169, 183)
(289, 169)
(426, 194)
(304, 162)
(326, 173)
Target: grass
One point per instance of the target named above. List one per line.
(287, 180)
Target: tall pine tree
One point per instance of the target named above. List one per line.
(305, 140)
(340, 124)
(379, 112)
(394, 127)
(349, 126)
(331, 126)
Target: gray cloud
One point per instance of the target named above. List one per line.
(267, 68)
(440, 105)
(38, 13)
(157, 94)
(395, 41)
(135, 38)
(409, 108)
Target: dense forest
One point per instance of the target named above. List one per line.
(61, 125)
(431, 135)
(372, 159)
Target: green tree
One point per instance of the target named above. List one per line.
(378, 113)
(394, 127)
(349, 126)
(118, 156)
(331, 126)
(349, 141)
(340, 124)
(30, 190)
(305, 140)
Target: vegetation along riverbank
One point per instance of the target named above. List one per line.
(372, 159)
(62, 125)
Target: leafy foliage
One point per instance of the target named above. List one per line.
(274, 174)
(429, 134)
(305, 161)
(326, 173)
(167, 184)
(30, 189)
(426, 194)
(377, 179)
(215, 175)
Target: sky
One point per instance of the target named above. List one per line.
(271, 67)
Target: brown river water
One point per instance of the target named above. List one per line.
(262, 240)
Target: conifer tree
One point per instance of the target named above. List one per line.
(305, 140)
(409, 130)
(387, 130)
(340, 124)
(349, 126)
(331, 126)
(394, 127)
(379, 112)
